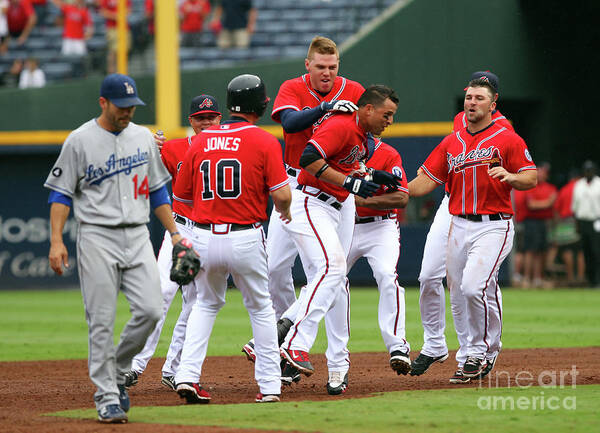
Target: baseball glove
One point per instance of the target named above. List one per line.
(186, 263)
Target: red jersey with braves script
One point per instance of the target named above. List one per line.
(460, 121)
(342, 142)
(385, 158)
(76, 20)
(462, 159)
(172, 155)
(228, 173)
(542, 191)
(298, 94)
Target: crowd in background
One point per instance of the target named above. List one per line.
(558, 231)
(231, 21)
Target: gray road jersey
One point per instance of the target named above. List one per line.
(109, 176)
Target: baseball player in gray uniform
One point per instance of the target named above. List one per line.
(110, 173)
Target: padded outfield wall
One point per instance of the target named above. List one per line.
(425, 50)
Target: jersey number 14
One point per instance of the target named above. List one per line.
(142, 189)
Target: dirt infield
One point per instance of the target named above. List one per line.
(30, 389)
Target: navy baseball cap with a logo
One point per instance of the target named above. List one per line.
(204, 104)
(486, 76)
(120, 90)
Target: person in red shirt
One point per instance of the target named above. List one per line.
(21, 18)
(539, 201)
(480, 163)
(204, 113)
(320, 200)
(228, 175)
(567, 241)
(192, 14)
(108, 9)
(433, 271)
(78, 27)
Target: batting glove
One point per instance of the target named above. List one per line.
(360, 187)
(341, 105)
(385, 178)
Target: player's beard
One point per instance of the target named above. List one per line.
(119, 122)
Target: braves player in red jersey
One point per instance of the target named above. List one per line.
(377, 238)
(228, 175)
(319, 201)
(204, 113)
(300, 105)
(481, 164)
(433, 271)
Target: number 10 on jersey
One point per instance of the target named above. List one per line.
(226, 177)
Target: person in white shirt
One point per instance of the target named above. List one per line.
(32, 75)
(586, 207)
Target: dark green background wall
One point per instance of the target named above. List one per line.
(544, 52)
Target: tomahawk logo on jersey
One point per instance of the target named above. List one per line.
(342, 143)
(462, 160)
(385, 158)
(224, 164)
(172, 155)
(460, 121)
(298, 94)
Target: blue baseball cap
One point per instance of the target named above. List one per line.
(204, 104)
(120, 90)
(488, 76)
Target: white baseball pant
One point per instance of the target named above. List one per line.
(281, 254)
(475, 252)
(323, 236)
(378, 242)
(242, 255)
(169, 289)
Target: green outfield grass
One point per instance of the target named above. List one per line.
(46, 325)
(50, 325)
(499, 410)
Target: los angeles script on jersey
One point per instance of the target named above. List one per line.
(486, 156)
(222, 143)
(95, 175)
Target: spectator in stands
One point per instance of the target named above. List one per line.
(520, 208)
(234, 22)
(586, 207)
(78, 27)
(540, 202)
(566, 240)
(11, 77)
(108, 9)
(3, 27)
(32, 75)
(192, 14)
(21, 19)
